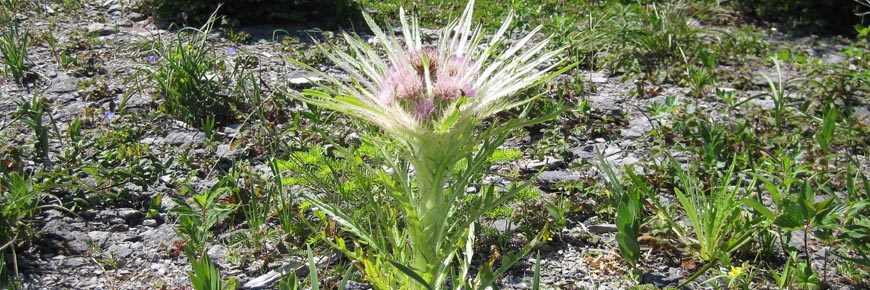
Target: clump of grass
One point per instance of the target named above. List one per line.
(13, 46)
(191, 78)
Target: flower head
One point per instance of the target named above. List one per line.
(151, 58)
(735, 271)
(410, 89)
(400, 83)
(231, 50)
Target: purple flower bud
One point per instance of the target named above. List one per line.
(151, 58)
(424, 108)
(231, 50)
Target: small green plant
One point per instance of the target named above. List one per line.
(719, 226)
(699, 77)
(628, 213)
(428, 102)
(19, 201)
(662, 109)
(735, 278)
(729, 97)
(31, 114)
(558, 213)
(208, 128)
(194, 226)
(785, 278)
(195, 223)
(13, 46)
(825, 134)
(205, 275)
(780, 180)
(777, 93)
(505, 155)
(189, 75)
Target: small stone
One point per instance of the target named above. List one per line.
(123, 251)
(611, 150)
(63, 84)
(554, 177)
(75, 262)
(102, 29)
(99, 237)
(304, 82)
(218, 253)
(226, 151)
(118, 228)
(597, 77)
(114, 8)
(52, 214)
(126, 215)
(160, 268)
(637, 127)
(136, 16)
(603, 228)
(587, 152)
(149, 223)
(551, 163)
(66, 236)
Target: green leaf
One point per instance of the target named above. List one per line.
(312, 270)
(289, 283)
(793, 217)
(411, 273)
(760, 208)
(536, 282)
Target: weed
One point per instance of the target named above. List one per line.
(13, 46)
(19, 201)
(628, 213)
(189, 75)
(663, 109)
(718, 224)
(195, 223)
(729, 97)
(777, 93)
(825, 135)
(31, 114)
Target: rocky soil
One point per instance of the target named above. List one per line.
(125, 248)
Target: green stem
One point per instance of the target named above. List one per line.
(432, 167)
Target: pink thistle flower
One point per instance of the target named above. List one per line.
(450, 82)
(400, 83)
(391, 76)
(424, 108)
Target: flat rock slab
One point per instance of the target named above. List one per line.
(185, 138)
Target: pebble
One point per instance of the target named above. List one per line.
(102, 29)
(602, 228)
(550, 178)
(149, 223)
(551, 163)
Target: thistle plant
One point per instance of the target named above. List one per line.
(431, 103)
